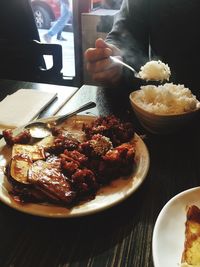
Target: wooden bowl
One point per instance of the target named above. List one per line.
(162, 124)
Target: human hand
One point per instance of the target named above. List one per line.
(99, 64)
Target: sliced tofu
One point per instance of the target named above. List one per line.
(34, 152)
(47, 177)
(19, 167)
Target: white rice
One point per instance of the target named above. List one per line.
(155, 71)
(166, 99)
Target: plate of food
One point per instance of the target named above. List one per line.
(176, 235)
(87, 165)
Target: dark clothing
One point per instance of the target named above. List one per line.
(17, 31)
(19, 54)
(171, 27)
(17, 21)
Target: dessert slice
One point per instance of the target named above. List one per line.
(191, 253)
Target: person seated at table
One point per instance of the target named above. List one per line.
(143, 30)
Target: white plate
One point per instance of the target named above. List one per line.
(169, 230)
(106, 197)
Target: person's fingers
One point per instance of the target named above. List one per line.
(95, 54)
(98, 66)
(101, 65)
(100, 43)
(102, 50)
(110, 76)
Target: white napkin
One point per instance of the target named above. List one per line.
(23, 106)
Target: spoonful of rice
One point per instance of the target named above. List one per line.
(155, 71)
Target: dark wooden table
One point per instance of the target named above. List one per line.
(119, 236)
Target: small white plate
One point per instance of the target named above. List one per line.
(106, 197)
(169, 231)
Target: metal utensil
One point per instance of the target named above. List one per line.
(40, 129)
(136, 74)
(117, 60)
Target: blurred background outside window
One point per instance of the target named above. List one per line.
(46, 12)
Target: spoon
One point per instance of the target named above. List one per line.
(117, 60)
(136, 74)
(40, 129)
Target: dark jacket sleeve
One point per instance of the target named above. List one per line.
(130, 32)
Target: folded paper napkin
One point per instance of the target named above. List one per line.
(23, 106)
